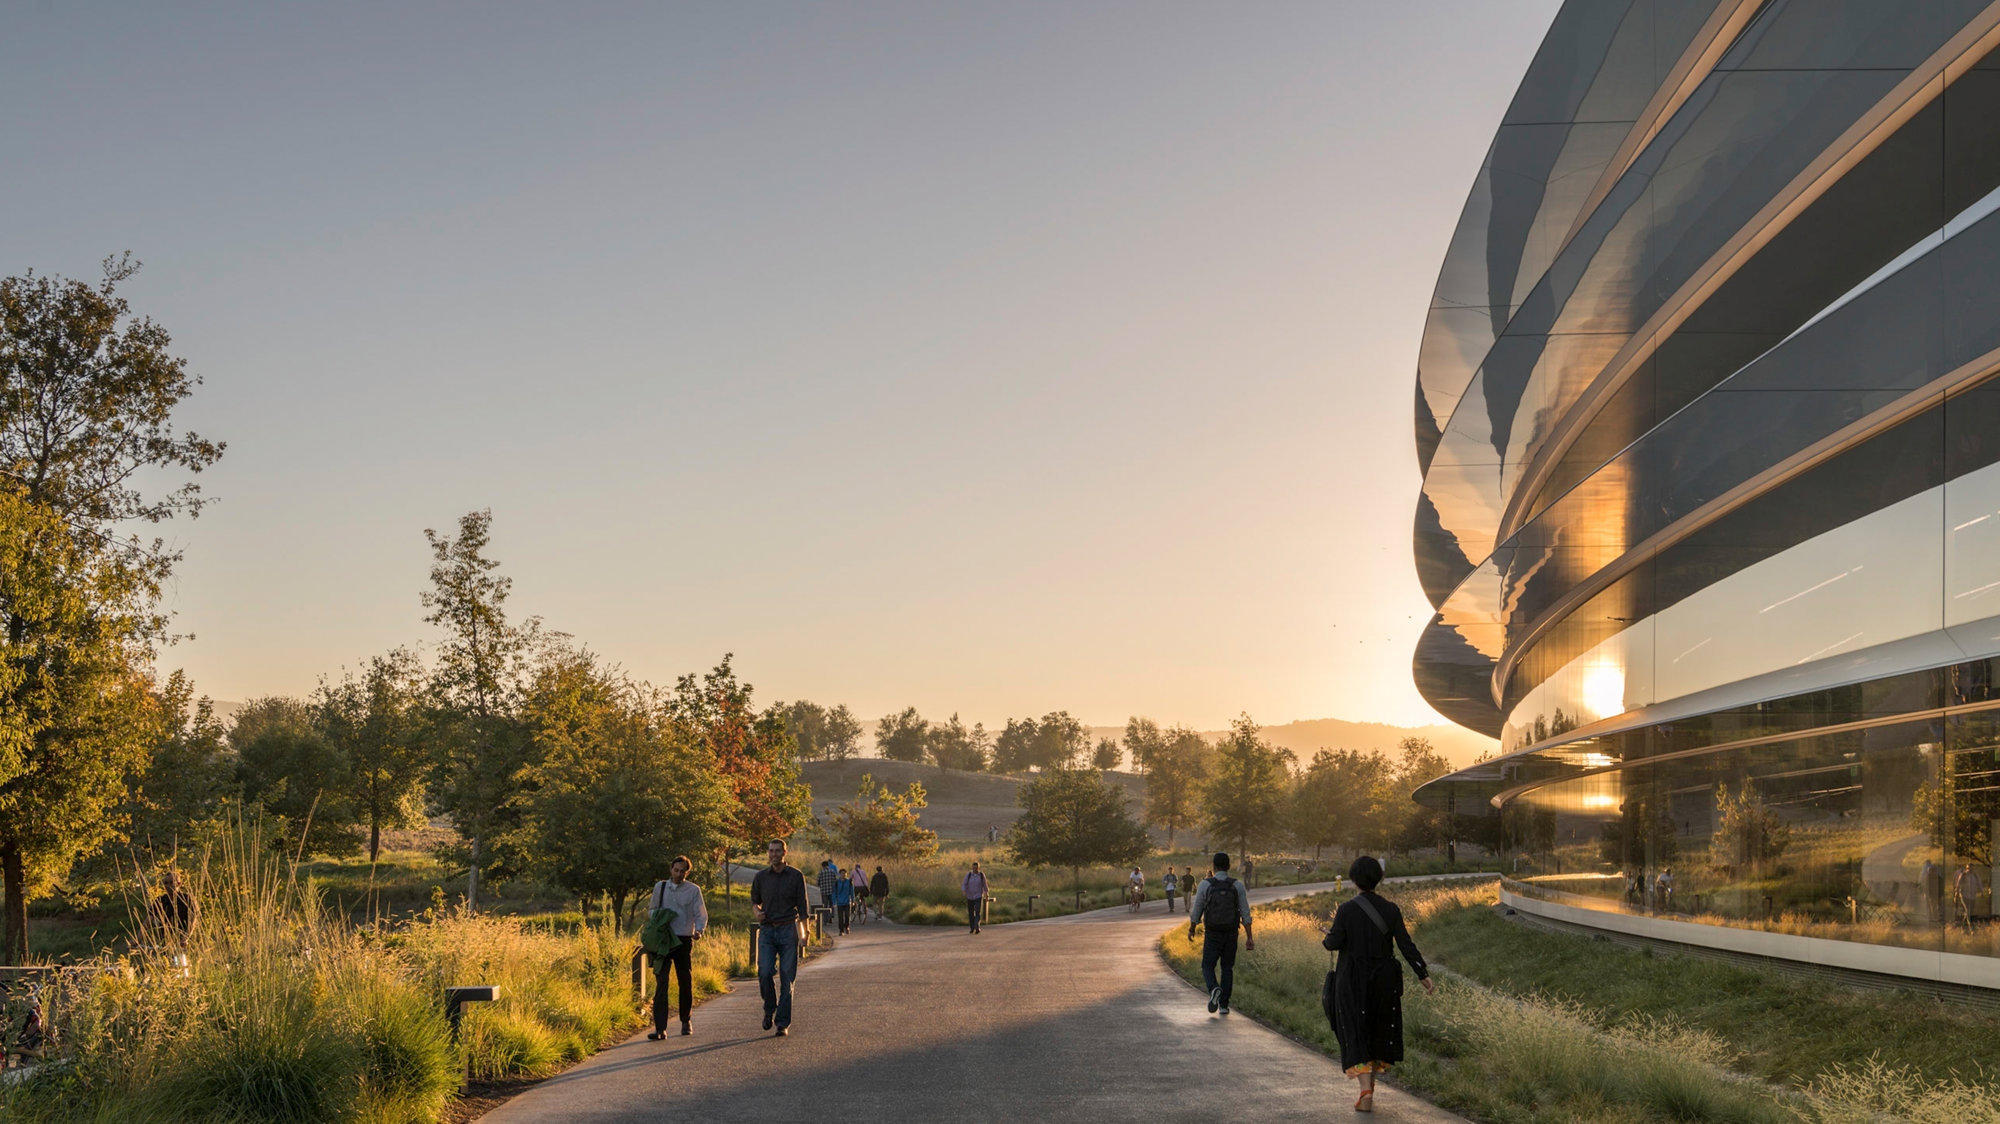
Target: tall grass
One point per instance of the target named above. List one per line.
(1499, 1054)
(281, 1009)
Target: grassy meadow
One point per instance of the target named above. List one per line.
(1530, 1026)
(283, 1007)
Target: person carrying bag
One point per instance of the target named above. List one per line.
(1363, 995)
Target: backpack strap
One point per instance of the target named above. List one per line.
(1374, 914)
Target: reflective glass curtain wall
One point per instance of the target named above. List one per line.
(1711, 510)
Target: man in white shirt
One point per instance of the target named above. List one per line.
(675, 892)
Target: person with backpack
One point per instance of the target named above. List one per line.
(1363, 995)
(843, 902)
(677, 920)
(976, 889)
(1220, 907)
(878, 889)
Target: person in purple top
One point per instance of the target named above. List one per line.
(975, 894)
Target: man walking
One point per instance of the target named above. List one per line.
(1220, 906)
(975, 895)
(878, 888)
(778, 895)
(827, 876)
(675, 892)
(1187, 889)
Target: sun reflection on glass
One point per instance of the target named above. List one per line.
(1604, 690)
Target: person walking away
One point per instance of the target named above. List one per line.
(1249, 872)
(1932, 877)
(1364, 998)
(1171, 883)
(975, 894)
(878, 888)
(778, 897)
(825, 878)
(1220, 907)
(843, 902)
(175, 915)
(1967, 887)
(690, 919)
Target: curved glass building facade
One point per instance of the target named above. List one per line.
(1710, 426)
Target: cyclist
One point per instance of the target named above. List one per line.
(1135, 887)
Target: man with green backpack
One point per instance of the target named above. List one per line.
(676, 922)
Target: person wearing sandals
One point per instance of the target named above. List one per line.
(1364, 993)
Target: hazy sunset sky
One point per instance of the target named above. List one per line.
(991, 359)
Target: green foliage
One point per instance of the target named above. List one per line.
(753, 753)
(375, 723)
(480, 750)
(302, 781)
(1747, 834)
(179, 800)
(880, 822)
(1957, 808)
(1176, 763)
(1642, 836)
(1074, 817)
(952, 746)
(823, 733)
(1330, 805)
(1243, 801)
(1056, 741)
(616, 792)
(904, 736)
(1108, 754)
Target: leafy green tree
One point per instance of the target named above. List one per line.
(1143, 738)
(614, 791)
(481, 752)
(87, 396)
(1957, 809)
(1074, 817)
(1245, 797)
(289, 769)
(1177, 765)
(754, 755)
(1747, 834)
(375, 721)
(1419, 826)
(953, 746)
(903, 737)
(1331, 801)
(1055, 741)
(1108, 754)
(823, 733)
(880, 822)
(180, 800)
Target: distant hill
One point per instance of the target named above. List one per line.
(961, 805)
(1458, 744)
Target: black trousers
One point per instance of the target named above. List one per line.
(681, 960)
(972, 908)
(1219, 946)
(843, 912)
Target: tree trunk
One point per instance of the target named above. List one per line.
(472, 878)
(374, 839)
(618, 908)
(14, 881)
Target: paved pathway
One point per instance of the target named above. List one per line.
(1070, 1018)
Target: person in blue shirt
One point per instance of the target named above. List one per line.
(843, 900)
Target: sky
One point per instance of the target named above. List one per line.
(989, 359)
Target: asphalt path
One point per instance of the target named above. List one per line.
(1068, 1018)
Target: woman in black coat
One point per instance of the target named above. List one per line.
(1366, 1000)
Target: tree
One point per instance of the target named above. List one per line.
(87, 396)
(1417, 825)
(1074, 817)
(481, 753)
(1143, 738)
(1640, 826)
(1331, 802)
(614, 792)
(1108, 754)
(1056, 741)
(1957, 810)
(1747, 834)
(178, 802)
(288, 768)
(823, 733)
(754, 755)
(903, 737)
(1176, 765)
(879, 822)
(374, 722)
(1244, 799)
(953, 746)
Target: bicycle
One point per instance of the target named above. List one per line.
(1135, 896)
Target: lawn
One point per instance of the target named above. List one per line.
(1533, 1026)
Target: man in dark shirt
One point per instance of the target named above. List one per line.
(778, 894)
